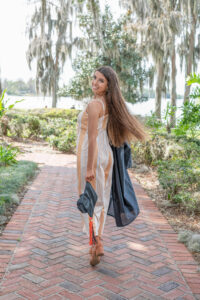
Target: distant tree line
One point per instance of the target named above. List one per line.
(150, 93)
(19, 87)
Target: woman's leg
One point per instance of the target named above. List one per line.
(99, 246)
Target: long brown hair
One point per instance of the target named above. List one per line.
(122, 126)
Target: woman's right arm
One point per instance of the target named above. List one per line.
(93, 110)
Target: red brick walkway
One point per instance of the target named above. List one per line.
(44, 255)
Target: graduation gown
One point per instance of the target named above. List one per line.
(123, 204)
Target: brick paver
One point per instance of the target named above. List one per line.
(44, 255)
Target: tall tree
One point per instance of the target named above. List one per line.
(189, 48)
(93, 7)
(51, 41)
(175, 25)
(114, 47)
(153, 21)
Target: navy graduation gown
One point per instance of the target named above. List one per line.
(123, 204)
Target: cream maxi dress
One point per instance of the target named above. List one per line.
(103, 169)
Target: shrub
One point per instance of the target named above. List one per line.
(34, 125)
(189, 123)
(190, 239)
(150, 151)
(45, 113)
(56, 126)
(53, 141)
(184, 236)
(47, 128)
(7, 155)
(61, 113)
(65, 143)
(194, 243)
(153, 121)
(16, 126)
(180, 178)
(177, 161)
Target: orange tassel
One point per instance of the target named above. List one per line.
(90, 230)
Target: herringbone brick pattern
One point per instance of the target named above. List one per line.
(44, 255)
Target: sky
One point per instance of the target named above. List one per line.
(14, 42)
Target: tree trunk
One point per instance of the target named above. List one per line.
(189, 61)
(159, 84)
(54, 92)
(173, 85)
(56, 77)
(95, 8)
(43, 18)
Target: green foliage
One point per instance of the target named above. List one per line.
(177, 160)
(12, 180)
(194, 243)
(56, 126)
(177, 175)
(70, 114)
(43, 113)
(150, 151)
(184, 236)
(153, 121)
(176, 155)
(117, 49)
(15, 127)
(7, 155)
(189, 123)
(34, 125)
(168, 114)
(180, 178)
(80, 86)
(194, 79)
(66, 142)
(4, 107)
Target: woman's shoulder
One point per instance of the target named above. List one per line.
(94, 105)
(95, 101)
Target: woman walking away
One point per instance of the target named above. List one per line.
(105, 121)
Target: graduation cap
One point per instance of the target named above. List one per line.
(87, 200)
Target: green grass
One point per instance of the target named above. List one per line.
(12, 181)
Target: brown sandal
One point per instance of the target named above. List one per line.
(94, 258)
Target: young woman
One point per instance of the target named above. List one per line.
(106, 120)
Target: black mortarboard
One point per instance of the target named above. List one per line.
(87, 200)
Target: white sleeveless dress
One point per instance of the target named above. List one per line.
(103, 169)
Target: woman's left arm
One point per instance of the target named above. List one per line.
(93, 110)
